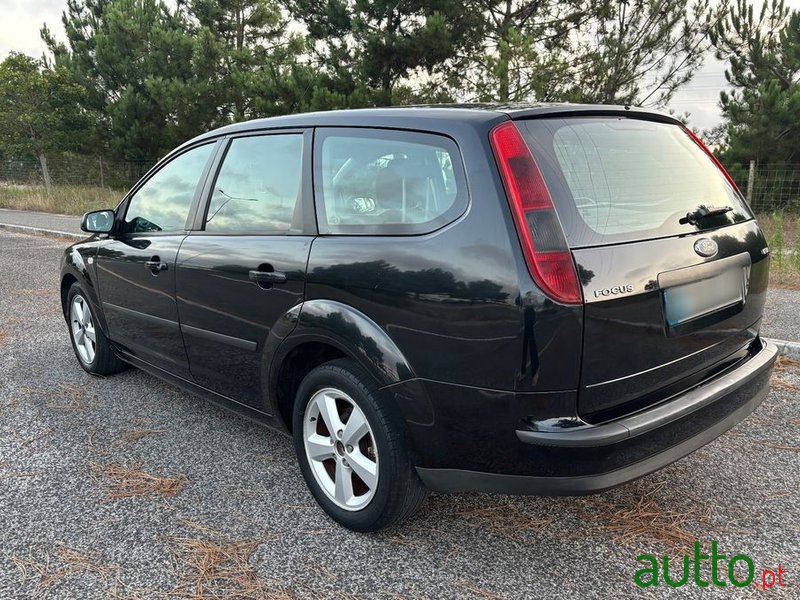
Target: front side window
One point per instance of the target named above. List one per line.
(163, 202)
(387, 182)
(258, 186)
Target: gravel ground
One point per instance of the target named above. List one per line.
(782, 315)
(233, 512)
(63, 223)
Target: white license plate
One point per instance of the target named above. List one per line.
(692, 300)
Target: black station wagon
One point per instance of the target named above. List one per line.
(542, 299)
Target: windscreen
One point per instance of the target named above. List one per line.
(617, 179)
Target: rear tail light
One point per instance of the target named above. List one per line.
(540, 234)
(705, 149)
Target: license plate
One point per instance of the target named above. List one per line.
(689, 301)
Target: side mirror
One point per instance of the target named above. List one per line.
(98, 221)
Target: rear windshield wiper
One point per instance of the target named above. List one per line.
(703, 211)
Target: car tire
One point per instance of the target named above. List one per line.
(94, 356)
(359, 473)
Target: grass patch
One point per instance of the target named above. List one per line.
(127, 481)
(783, 236)
(63, 199)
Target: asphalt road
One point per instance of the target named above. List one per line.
(39, 220)
(235, 513)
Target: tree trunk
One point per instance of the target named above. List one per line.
(503, 64)
(45, 173)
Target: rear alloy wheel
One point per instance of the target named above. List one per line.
(351, 449)
(92, 348)
(340, 448)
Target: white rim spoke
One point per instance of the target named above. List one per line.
(330, 414)
(320, 447)
(355, 429)
(344, 483)
(366, 470)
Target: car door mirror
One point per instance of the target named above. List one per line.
(98, 221)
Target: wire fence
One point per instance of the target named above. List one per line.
(75, 171)
(768, 190)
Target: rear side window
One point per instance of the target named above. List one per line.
(620, 179)
(373, 181)
(258, 185)
(164, 200)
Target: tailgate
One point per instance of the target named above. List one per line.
(672, 266)
(686, 319)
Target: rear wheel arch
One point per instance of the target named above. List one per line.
(289, 372)
(327, 330)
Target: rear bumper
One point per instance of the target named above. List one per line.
(672, 430)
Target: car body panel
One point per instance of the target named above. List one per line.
(226, 317)
(138, 304)
(631, 359)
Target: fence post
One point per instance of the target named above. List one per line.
(751, 178)
(102, 183)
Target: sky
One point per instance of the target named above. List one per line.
(22, 20)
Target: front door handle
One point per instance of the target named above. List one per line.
(155, 266)
(268, 277)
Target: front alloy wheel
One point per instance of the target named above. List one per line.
(340, 447)
(82, 328)
(91, 346)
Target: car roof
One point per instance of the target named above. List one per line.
(408, 116)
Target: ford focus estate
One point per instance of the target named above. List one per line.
(543, 299)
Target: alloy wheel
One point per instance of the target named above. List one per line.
(82, 328)
(340, 447)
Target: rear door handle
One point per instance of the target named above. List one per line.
(269, 277)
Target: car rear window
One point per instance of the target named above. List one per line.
(623, 179)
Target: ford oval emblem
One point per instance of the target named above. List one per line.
(706, 247)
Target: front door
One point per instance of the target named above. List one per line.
(136, 266)
(244, 267)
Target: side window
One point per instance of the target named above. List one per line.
(258, 185)
(163, 202)
(387, 182)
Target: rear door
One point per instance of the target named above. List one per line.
(668, 301)
(243, 267)
(136, 267)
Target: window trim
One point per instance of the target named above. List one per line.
(124, 205)
(197, 225)
(460, 203)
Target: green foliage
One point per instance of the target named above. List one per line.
(524, 50)
(640, 52)
(763, 111)
(40, 111)
(364, 49)
(153, 73)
